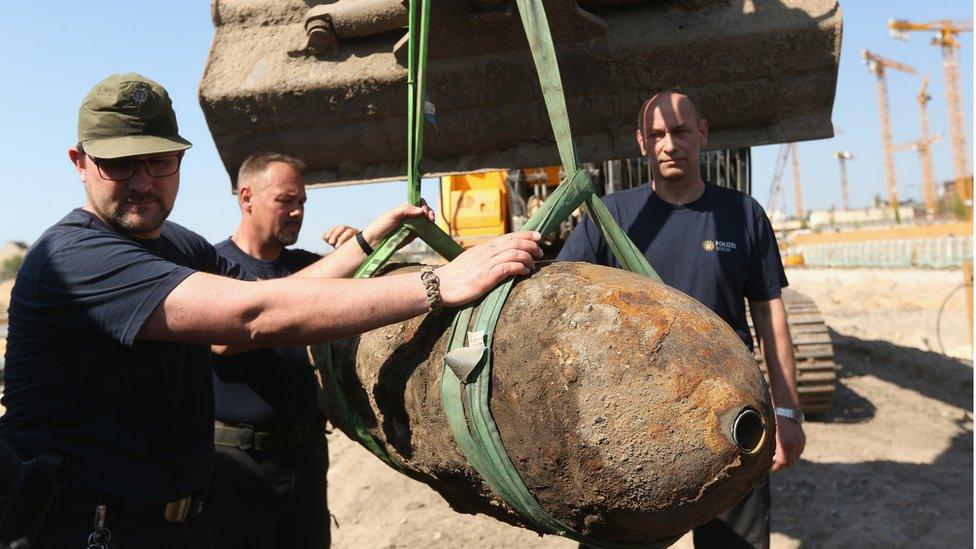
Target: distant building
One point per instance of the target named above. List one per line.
(859, 218)
(948, 200)
(864, 217)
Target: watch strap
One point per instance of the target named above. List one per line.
(361, 240)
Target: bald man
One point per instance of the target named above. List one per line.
(269, 482)
(716, 245)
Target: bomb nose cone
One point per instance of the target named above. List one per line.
(748, 430)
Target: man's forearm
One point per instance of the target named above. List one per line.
(342, 263)
(214, 310)
(350, 307)
(769, 318)
(772, 327)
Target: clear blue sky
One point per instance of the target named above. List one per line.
(52, 53)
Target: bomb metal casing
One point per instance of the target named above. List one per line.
(631, 411)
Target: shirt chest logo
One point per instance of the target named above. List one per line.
(718, 246)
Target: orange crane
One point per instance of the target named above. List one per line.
(877, 65)
(946, 32)
(786, 150)
(775, 188)
(797, 191)
(923, 147)
(843, 157)
(924, 152)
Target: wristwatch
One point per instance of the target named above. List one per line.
(793, 414)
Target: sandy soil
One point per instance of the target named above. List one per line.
(5, 288)
(891, 466)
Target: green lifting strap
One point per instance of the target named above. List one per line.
(442, 244)
(466, 398)
(483, 446)
(430, 233)
(332, 381)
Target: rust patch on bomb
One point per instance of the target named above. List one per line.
(625, 303)
(654, 326)
(686, 383)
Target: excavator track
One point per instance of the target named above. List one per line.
(816, 372)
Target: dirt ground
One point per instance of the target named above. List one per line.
(890, 466)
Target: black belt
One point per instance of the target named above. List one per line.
(247, 437)
(131, 513)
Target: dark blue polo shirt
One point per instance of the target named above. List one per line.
(133, 417)
(718, 249)
(267, 388)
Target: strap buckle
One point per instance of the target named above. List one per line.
(176, 510)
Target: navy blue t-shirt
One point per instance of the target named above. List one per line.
(133, 417)
(718, 249)
(268, 388)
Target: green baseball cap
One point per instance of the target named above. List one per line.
(128, 115)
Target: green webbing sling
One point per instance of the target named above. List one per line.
(430, 233)
(475, 432)
(466, 376)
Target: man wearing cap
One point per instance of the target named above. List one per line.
(269, 480)
(114, 310)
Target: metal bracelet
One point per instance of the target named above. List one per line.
(793, 414)
(433, 286)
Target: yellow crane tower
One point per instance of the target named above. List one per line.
(923, 147)
(843, 157)
(924, 152)
(946, 32)
(797, 190)
(877, 65)
(776, 187)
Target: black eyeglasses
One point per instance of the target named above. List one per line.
(120, 169)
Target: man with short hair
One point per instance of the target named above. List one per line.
(716, 245)
(114, 311)
(269, 481)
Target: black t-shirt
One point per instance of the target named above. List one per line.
(133, 417)
(268, 388)
(717, 249)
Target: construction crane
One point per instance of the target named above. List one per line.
(946, 32)
(877, 65)
(923, 147)
(797, 191)
(924, 152)
(776, 187)
(843, 157)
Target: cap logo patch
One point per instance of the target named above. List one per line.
(139, 94)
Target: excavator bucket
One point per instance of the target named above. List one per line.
(326, 82)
